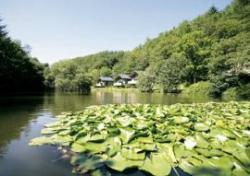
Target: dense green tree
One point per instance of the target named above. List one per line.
(213, 10)
(105, 71)
(147, 80)
(172, 73)
(19, 72)
(82, 83)
(69, 77)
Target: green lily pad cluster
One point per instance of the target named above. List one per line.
(156, 139)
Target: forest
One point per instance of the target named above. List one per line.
(209, 55)
(19, 72)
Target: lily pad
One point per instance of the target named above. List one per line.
(157, 164)
(201, 127)
(155, 138)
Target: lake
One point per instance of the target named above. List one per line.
(22, 118)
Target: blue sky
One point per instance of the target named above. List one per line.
(58, 29)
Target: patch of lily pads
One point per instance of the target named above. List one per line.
(155, 139)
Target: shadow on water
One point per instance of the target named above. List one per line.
(15, 115)
(22, 118)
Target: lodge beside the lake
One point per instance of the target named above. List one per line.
(122, 80)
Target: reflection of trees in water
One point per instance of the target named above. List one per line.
(15, 114)
(63, 102)
(102, 97)
(119, 97)
(116, 97)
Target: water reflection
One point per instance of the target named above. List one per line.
(15, 114)
(21, 118)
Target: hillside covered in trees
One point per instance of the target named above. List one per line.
(211, 52)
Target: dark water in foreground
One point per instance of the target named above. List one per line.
(22, 117)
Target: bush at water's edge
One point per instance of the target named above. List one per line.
(200, 88)
(242, 92)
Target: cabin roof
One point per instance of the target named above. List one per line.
(106, 78)
(124, 76)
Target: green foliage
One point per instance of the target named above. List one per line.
(49, 81)
(196, 138)
(172, 72)
(146, 81)
(244, 91)
(212, 10)
(82, 83)
(200, 88)
(105, 71)
(230, 94)
(18, 70)
(214, 47)
(68, 76)
(80, 73)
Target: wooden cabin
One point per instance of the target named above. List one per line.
(104, 81)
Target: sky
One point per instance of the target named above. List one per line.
(59, 29)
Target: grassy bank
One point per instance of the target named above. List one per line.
(111, 89)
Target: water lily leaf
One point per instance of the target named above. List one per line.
(141, 125)
(78, 148)
(97, 138)
(190, 142)
(127, 135)
(48, 131)
(194, 161)
(86, 163)
(243, 156)
(232, 146)
(239, 170)
(40, 141)
(186, 166)
(201, 127)
(221, 138)
(181, 152)
(224, 163)
(53, 124)
(168, 150)
(113, 131)
(96, 147)
(132, 154)
(125, 121)
(246, 133)
(156, 138)
(101, 172)
(201, 141)
(144, 140)
(223, 132)
(61, 139)
(101, 126)
(64, 132)
(157, 164)
(83, 139)
(210, 152)
(119, 163)
(114, 146)
(159, 112)
(181, 120)
(147, 147)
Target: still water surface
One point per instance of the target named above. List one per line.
(22, 118)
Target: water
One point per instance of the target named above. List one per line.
(22, 118)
